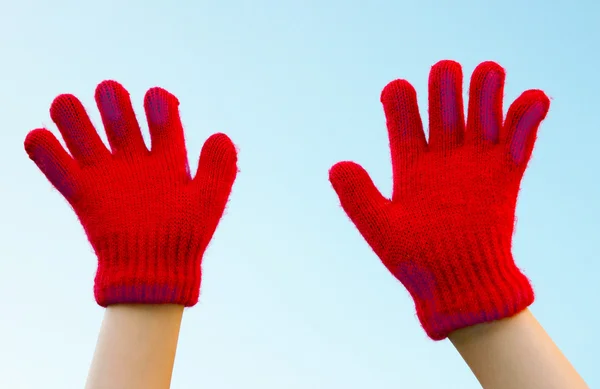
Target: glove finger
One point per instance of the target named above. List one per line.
(51, 158)
(522, 122)
(446, 112)
(405, 128)
(359, 197)
(122, 128)
(77, 130)
(217, 169)
(485, 104)
(166, 130)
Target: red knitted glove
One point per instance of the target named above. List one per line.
(446, 232)
(148, 221)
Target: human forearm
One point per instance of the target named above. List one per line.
(515, 353)
(136, 347)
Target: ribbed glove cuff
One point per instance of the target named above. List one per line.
(487, 287)
(148, 271)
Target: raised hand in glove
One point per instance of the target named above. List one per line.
(447, 229)
(147, 219)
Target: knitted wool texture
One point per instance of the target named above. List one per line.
(446, 232)
(147, 219)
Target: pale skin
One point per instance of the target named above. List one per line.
(515, 353)
(137, 344)
(136, 347)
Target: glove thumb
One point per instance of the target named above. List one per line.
(361, 200)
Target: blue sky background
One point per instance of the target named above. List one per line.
(292, 296)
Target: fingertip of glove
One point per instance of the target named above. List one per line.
(160, 105)
(344, 171)
(222, 142)
(33, 140)
(445, 66)
(394, 89)
(336, 168)
(62, 105)
(219, 150)
(537, 96)
(159, 94)
(534, 103)
(489, 66)
(109, 86)
(109, 95)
